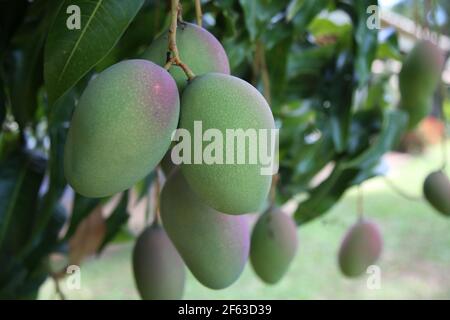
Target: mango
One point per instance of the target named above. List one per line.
(121, 128)
(198, 48)
(436, 190)
(158, 269)
(224, 103)
(361, 248)
(273, 245)
(418, 79)
(214, 246)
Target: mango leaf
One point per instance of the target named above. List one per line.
(325, 195)
(292, 9)
(82, 207)
(21, 176)
(12, 14)
(302, 12)
(388, 47)
(24, 63)
(258, 15)
(320, 27)
(366, 42)
(47, 240)
(143, 186)
(394, 125)
(277, 60)
(338, 95)
(124, 235)
(71, 53)
(58, 126)
(116, 220)
(88, 237)
(2, 102)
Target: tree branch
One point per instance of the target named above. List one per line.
(198, 12)
(173, 54)
(261, 59)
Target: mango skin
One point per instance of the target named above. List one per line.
(213, 245)
(436, 190)
(418, 80)
(158, 269)
(361, 247)
(198, 48)
(225, 102)
(273, 245)
(121, 128)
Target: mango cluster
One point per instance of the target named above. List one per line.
(122, 129)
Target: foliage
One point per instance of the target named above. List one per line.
(318, 57)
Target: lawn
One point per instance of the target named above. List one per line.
(415, 263)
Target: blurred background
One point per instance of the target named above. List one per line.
(332, 82)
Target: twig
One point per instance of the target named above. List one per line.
(156, 196)
(198, 12)
(261, 65)
(265, 73)
(174, 55)
(273, 190)
(401, 192)
(360, 203)
(58, 290)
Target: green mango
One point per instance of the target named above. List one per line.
(273, 245)
(158, 269)
(418, 80)
(221, 102)
(213, 245)
(121, 128)
(436, 190)
(361, 248)
(198, 49)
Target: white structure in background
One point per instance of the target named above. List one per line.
(409, 32)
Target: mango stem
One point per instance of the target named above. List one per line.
(173, 54)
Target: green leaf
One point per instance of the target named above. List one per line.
(21, 176)
(258, 15)
(388, 47)
(143, 186)
(366, 42)
(324, 196)
(58, 119)
(12, 14)
(338, 95)
(2, 102)
(277, 61)
(116, 220)
(47, 241)
(303, 12)
(123, 236)
(70, 54)
(325, 27)
(292, 9)
(394, 125)
(24, 61)
(82, 207)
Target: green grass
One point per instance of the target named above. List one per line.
(415, 262)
